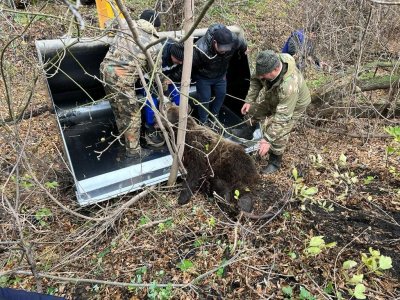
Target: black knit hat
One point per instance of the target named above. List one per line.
(266, 62)
(152, 17)
(223, 37)
(177, 51)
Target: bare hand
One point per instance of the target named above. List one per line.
(263, 147)
(245, 108)
(323, 64)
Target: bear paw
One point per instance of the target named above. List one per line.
(184, 198)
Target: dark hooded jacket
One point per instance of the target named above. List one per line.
(174, 72)
(207, 63)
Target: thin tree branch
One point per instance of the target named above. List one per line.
(96, 281)
(385, 2)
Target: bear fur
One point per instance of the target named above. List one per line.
(213, 163)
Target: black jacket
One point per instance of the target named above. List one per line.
(207, 63)
(174, 72)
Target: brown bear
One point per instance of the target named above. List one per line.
(214, 164)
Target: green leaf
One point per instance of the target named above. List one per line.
(373, 252)
(237, 194)
(342, 159)
(330, 245)
(144, 220)
(51, 290)
(220, 271)
(372, 263)
(42, 214)
(286, 215)
(394, 131)
(211, 222)
(317, 241)
(295, 173)
(313, 250)
(287, 291)
(292, 255)
(329, 289)
(21, 19)
(104, 252)
(339, 295)
(310, 191)
(185, 265)
(51, 185)
(390, 149)
(141, 270)
(4, 280)
(348, 264)
(27, 184)
(385, 262)
(306, 295)
(368, 180)
(356, 279)
(359, 291)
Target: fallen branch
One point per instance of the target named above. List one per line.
(116, 212)
(95, 281)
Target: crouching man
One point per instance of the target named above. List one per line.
(286, 97)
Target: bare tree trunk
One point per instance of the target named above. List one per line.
(185, 84)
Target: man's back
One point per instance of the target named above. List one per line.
(124, 51)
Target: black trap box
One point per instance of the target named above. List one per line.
(87, 124)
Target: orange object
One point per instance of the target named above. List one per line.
(105, 12)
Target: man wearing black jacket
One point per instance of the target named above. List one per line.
(211, 57)
(172, 59)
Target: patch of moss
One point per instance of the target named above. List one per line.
(317, 82)
(367, 75)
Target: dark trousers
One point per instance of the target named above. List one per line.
(204, 87)
(12, 294)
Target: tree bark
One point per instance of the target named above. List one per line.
(185, 85)
(342, 85)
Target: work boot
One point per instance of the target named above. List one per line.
(154, 137)
(245, 132)
(138, 153)
(274, 164)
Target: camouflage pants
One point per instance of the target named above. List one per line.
(120, 88)
(280, 129)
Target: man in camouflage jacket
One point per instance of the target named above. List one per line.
(286, 97)
(119, 73)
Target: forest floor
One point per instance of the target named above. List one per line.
(332, 214)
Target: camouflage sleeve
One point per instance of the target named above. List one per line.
(255, 87)
(288, 97)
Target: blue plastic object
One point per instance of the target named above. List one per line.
(148, 111)
(174, 93)
(13, 294)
